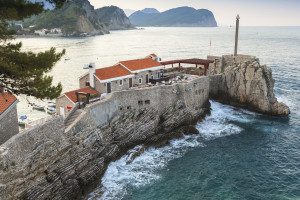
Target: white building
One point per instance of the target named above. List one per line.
(41, 32)
(55, 31)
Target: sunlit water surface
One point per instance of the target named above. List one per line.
(237, 155)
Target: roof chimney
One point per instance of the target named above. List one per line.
(92, 70)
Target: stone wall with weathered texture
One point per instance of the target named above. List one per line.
(244, 82)
(9, 125)
(46, 162)
(83, 80)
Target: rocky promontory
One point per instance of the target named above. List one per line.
(115, 18)
(244, 82)
(52, 161)
(55, 160)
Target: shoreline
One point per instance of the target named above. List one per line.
(66, 162)
(178, 133)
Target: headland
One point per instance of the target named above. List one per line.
(55, 161)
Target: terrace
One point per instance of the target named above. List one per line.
(180, 73)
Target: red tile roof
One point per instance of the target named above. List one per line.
(139, 64)
(153, 55)
(111, 72)
(6, 99)
(72, 95)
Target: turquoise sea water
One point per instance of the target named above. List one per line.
(238, 154)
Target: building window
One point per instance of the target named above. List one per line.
(121, 108)
(140, 80)
(121, 82)
(158, 74)
(87, 83)
(152, 77)
(140, 103)
(147, 102)
(128, 107)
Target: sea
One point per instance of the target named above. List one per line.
(239, 154)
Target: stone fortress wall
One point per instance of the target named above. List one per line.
(48, 162)
(193, 94)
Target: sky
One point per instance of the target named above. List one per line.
(252, 12)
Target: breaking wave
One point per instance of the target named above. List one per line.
(144, 169)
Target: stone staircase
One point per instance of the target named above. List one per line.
(73, 118)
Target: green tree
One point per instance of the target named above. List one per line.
(24, 72)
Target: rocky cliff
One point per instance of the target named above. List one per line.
(243, 81)
(51, 162)
(114, 18)
(75, 17)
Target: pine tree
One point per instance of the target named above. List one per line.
(24, 72)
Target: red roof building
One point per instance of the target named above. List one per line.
(138, 65)
(6, 100)
(8, 115)
(113, 73)
(72, 94)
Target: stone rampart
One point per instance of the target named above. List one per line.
(193, 94)
(45, 162)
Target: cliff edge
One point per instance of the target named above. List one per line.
(51, 161)
(114, 18)
(243, 81)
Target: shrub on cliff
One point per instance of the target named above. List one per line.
(24, 72)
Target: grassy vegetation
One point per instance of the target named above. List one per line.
(65, 18)
(106, 13)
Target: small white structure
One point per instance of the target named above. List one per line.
(55, 31)
(41, 32)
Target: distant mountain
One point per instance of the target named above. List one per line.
(150, 10)
(76, 16)
(128, 12)
(177, 17)
(79, 16)
(114, 18)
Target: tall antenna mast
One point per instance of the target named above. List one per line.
(236, 34)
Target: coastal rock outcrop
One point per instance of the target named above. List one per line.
(49, 161)
(114, 17)
(243, 81)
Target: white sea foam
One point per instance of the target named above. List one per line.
(145, 168)
(290, 101)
